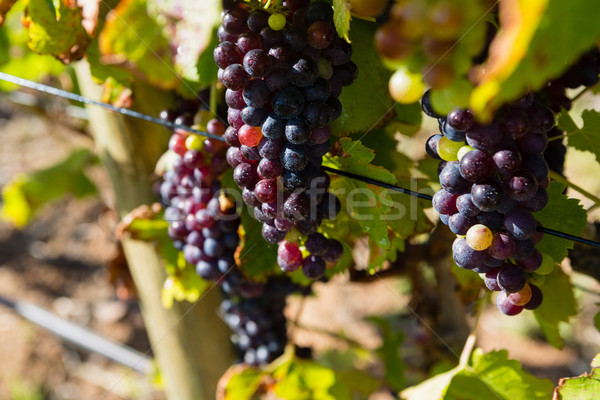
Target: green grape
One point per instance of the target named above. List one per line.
(536, 279)
(547, 265)
(446, 20)
(277, 21)
(194, 142)
(368, 8)
(406, 87)
(479, 237)
(463, 150)
(448, 150)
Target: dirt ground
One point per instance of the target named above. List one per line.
(59, 262)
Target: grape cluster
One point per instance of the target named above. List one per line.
(204, 226)
(255, 315)
(283, 74)
(493, 177)
(430, 32)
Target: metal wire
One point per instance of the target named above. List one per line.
(82, 99)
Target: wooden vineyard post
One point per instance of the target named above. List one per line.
(189, 341)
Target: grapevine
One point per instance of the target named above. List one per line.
(299, 160)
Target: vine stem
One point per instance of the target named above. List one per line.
(562, 179)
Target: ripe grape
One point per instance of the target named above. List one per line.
(479, 237)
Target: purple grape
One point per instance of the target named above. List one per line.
(531, 263)
(460, 119)
(272, 234)
(491, 280)
(464, 256)
(487, 195)
(234, 77)
(520, 224)
(511, 278)
(476, 166)
(257, 63)
(316, 244)
(515, 122)
(507, 160)
(334, 252)
(503, 246)
(452, 180)
(431, 146)
(314, 267)
(505, 306)
(465, 205)
(444, 202)
(459, 224)
(521, 185)
(536, 298)
(227, 53)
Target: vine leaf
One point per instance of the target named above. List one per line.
(563, 214)
(587, 137)
(558, 305)
(367, 101)
(583, 387)
(131, 39)
(487, 376)
(365, 204)
(25, 194)
(521, 59)
(206, 67)
(342, 17)
(56, 29)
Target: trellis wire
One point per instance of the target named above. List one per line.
(85, 100)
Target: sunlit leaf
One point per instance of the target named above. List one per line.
(57, 31)
(133, 40)
(531, 49)
(26, 194)
(342, 17)
(558, 306)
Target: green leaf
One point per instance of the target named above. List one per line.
(357, 158)
(532, 50)
(562, 214)
(342, 17)
(408, 118)
(207, 69)
(364, 204)
(389, 352)
(56, 31)
(559, 304)
(132, 39)
(597, 321)
(26, 194)
(487, 376)
(367, 101)
(584, 387)
(309, 380)
(117, 81)
(242, 383)
(587, 137)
